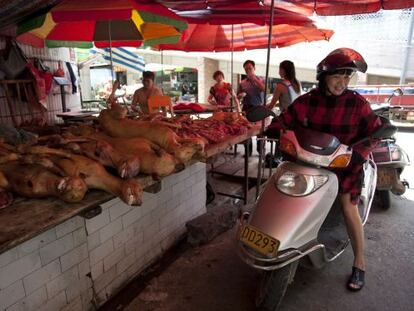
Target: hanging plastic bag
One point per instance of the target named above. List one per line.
(59, 72)
(12, 60)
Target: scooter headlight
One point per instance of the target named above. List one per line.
(298, 185)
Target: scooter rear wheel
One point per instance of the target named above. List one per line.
(385, 198)
(273, 286)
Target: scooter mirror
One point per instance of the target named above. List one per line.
(387, 130)
(259, 113)
(398, 92)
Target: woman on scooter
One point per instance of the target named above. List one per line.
(333, 109)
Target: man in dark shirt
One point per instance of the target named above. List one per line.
(251, 91)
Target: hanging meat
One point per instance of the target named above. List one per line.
(35, 181)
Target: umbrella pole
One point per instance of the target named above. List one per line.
(269, 46)
(232, 50)
(162, 70)
(407, 49)
(110, 52)
(262, 144)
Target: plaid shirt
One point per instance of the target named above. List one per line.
(348, 117)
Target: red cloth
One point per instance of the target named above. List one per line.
(192, 106)
(348, 117)
(40, 83)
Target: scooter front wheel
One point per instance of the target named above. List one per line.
(273, 286)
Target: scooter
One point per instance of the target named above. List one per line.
(297, 217)
(390, 158)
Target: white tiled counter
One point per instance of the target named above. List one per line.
(81, 263)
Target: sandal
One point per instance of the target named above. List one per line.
(357, 280)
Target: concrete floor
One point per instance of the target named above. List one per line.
(212, 277)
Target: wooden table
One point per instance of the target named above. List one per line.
(78, 116)
(26, 218)
(231, 141)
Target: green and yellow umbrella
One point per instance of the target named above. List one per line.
(105, 23)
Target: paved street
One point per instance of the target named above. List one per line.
(212, 277)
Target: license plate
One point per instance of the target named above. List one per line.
(259, 241)
(385, 178)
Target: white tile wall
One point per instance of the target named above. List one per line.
(37, 242)
(11, 294)
(32, 301)
(19, 268)
(8, 256)
(62, 282)
(61, 268)
(100, 252)
(74, 257)
(56, 249)
(97, 222)
(41, 276)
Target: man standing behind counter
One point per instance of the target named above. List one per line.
(140, 99)
(251, 91)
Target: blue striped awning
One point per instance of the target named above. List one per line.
(122, 57)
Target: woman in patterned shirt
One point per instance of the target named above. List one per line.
(333, 108)
(222, 92)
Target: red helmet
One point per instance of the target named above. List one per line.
(341, 59)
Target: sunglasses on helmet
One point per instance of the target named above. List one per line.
(346, 72)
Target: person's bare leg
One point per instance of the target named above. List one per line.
(355, 230)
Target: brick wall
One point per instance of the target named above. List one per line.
(81, 263)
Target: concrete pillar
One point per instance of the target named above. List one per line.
(360, 78)
(85, 83)
(206, 67)
(132, 77)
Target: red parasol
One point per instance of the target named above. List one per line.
(239, 37)
(342, 7)
(246, 12)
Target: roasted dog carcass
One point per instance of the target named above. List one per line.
(35, 181)
(153, 159)
(6, 198)
(92, 172)
(114, 123)
(95, 148)
(96, 177)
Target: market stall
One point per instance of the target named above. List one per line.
(97, 244)
(78, 250)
